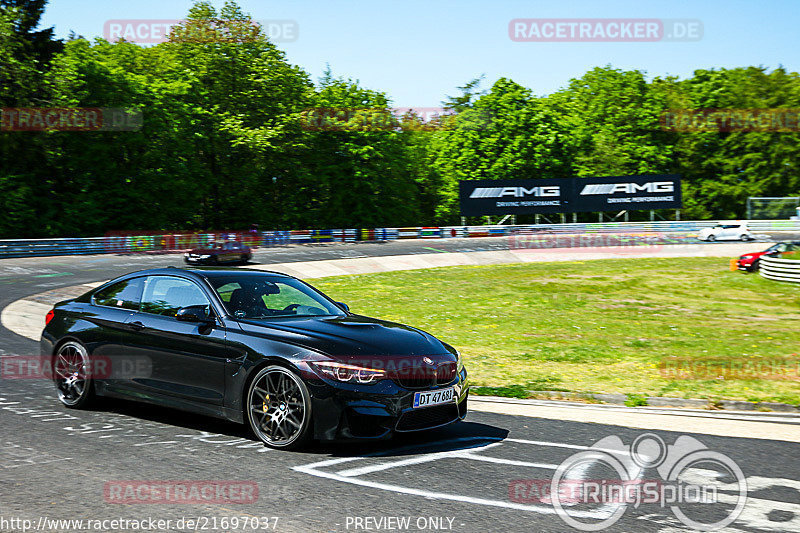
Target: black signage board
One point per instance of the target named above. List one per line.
(569, 195)
(514, 197)
(630, 193)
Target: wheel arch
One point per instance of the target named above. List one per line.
(257, 367)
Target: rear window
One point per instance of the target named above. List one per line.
(123, 295)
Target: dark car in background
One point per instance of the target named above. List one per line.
(219, 253)
(254, 347)
(749, 262)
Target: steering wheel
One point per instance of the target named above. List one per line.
(291, 307)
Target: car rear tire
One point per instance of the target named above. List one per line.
(744, 237)
(71, 373)
(279, 408)
(711, 238)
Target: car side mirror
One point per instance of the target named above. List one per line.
(343, 306)
(194, 313)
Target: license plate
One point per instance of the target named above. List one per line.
(433, 397)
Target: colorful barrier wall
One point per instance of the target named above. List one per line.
(138, 242)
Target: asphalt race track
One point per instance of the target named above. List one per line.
(57, 463)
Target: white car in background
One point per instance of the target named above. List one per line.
(732, 231)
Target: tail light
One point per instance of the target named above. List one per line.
(49, 317)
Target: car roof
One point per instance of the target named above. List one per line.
(205, 272)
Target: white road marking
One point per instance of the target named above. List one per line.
(351, 475)
(427, 458)
(511, 462)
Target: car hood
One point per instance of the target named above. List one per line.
(348, 336)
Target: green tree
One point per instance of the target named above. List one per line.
(616, 122)
(506, 133)
(723, 168)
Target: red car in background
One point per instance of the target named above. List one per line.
(749, 262)
(220, 252)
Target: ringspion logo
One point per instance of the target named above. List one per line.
(705, 489)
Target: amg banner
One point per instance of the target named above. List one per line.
(569, 195)
(504, 197)
(626, 193)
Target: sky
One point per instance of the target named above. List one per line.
(420, 51)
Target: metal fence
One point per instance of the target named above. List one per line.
(780, 269)
(133, 242)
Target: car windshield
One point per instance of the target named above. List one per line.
(266, 296)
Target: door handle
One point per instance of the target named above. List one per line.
(136, 326)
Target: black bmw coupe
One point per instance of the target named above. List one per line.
(254, 347)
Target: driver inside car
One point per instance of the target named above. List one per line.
(248, 300)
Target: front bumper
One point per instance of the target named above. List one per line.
(746, 265)
(344, 411)
(195, 259)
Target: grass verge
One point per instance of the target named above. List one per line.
(600, 326)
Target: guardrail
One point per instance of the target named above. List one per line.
(778, 269)
(133, 242)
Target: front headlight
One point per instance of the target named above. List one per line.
(348, 373)
(746, 257)
(459, 361)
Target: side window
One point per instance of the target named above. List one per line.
(226, 291)
(165, 295)
(123, 295)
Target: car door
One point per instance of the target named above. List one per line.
(228, 252)
(729, 231)
(233, 252)
(188, 358)
(112, 340)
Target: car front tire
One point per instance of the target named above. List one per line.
(278, 408)
(711, 238)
